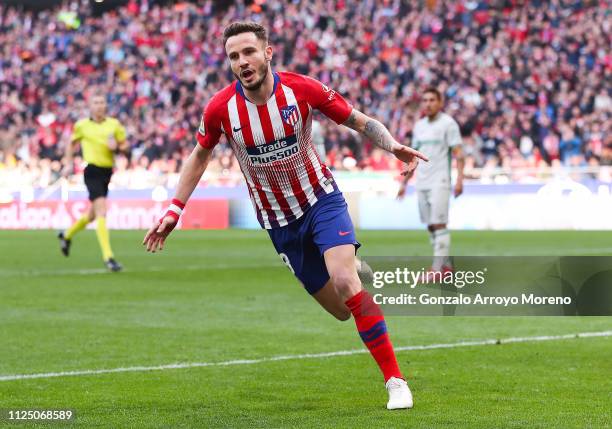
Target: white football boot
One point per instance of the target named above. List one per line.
(399, 394)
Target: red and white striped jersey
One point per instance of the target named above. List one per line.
(273, 144)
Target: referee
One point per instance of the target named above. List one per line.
(100, 136)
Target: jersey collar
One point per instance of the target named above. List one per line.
(240, 90)
(438, 116)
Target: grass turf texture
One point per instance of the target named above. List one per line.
(213, 296)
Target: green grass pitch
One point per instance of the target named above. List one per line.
(214, 296)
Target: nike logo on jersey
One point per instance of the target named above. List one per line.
(343, 233)
(236, 129)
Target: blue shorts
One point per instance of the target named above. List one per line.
(301, 244)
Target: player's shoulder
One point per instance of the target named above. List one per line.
(288, 77)
(81, 122)
(304, 87)
(113, 121)
(448, 119)
(297, 80)
(421, 122)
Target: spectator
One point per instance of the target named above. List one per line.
(516, 75)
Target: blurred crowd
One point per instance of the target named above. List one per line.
(528, 81)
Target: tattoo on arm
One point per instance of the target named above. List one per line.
(352, 120)
(379, 135)
(372, 129)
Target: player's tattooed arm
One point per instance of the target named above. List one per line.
(381, 137)
(372, 129)
(379, 134)
(352, 120)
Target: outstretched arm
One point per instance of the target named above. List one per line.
(381, 137)
(192, 172)
(190, 176)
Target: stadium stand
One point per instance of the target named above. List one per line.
(527, 81)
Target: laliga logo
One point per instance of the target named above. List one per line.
(328, 89)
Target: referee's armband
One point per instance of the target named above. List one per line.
(174, 210)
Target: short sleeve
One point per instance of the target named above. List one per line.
(120, 133)
(326, 100)
(209, 131)
(77, 131)
(453, 134)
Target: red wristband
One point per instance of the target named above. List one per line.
(175, 209)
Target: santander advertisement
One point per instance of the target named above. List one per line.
(122, 214)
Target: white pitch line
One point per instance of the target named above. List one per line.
(304, 356)
(152, 269)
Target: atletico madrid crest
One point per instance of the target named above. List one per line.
(290, 115)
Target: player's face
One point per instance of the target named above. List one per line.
(98, 106)
(249, 59)
(431, 104)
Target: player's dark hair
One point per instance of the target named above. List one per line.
(433, 90)
(240, 27)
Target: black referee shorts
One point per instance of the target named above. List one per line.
(97, 180)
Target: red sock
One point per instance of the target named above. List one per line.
(373, 331)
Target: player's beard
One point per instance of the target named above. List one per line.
(263, 70)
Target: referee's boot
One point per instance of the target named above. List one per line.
(113, 265)
(64, 243)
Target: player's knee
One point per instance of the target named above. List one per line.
(342, 279)
(346, 283)
(100, 211)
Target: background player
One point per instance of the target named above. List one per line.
(267, 119)
(100, 136)
(437, 135)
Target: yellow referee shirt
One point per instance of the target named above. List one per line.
(94, 137)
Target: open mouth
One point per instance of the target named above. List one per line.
(247, 74)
